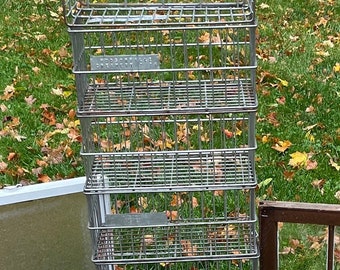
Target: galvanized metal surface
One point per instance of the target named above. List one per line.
(167, 103)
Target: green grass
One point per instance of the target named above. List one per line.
(298, 50)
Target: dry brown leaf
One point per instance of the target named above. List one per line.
(318, 183)
(218, 193)
(143, 202)
(11, 156)
(311, 164)
(333, 163)
(3, 166)
(171, 215)
(194, 202)
(176, 200)
(282, 146)
(148, 240)
(188, 249)
(43, 178)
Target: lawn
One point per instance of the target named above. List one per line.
(298, 130)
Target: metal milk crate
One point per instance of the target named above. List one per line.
(167, 104)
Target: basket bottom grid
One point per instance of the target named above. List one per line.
(181, 242)
(172, 98)
(173, 171)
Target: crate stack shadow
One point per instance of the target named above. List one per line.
(167, 103)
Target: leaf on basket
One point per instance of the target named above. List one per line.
(171, 215)
(188, 248)
(176, 200)
(134, 210)
(148, 240)
(143, 202)
(218, 193)
(194, 202)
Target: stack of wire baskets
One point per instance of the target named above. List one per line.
(167, 103)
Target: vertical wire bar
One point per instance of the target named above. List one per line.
(330, 247)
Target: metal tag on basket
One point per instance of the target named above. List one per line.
(124, 62)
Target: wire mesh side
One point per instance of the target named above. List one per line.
(174, 227)
(187, 132)
(93, 14)
(157, 208)
(150, 70)
(181, 48)
(176, 243)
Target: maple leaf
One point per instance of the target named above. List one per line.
(282, 146)
(298, 159)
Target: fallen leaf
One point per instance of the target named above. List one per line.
(148, 240)
(310, 109)
(298, 159)
(282, 146)
(336, 68)
(228, 134)
(171, 215)
(3, 166)
(8, 92)
(143, 202)
(263, 6)
(283, 82)
(188, 249)
(176, 200)
(333, 163)
(36, 70)
(30, 100)
(288, 175)
(311, 164)
(265, 182)
(43, 178)
(336, 195)
(281, 100)
(218, 193)
(318, 183)
(3, 108)
(11, 156)
(194, 202)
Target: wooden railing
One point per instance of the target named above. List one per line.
(270, 213)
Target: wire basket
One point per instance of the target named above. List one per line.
(177, 152)
(94, 14)
(165, 69)
(173, 226)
